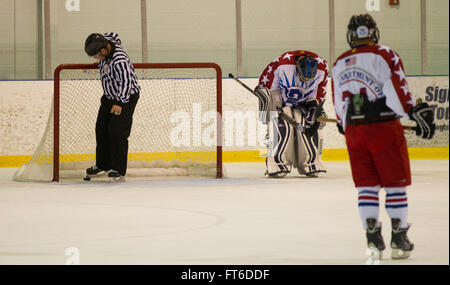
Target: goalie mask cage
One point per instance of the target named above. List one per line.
(177, 125)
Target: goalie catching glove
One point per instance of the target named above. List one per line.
(423, 115)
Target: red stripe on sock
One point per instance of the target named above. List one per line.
(396, 200)
(367, 198)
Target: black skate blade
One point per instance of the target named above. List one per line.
(88, 177)
(400, 254)
(117, 179)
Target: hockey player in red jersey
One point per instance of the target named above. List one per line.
(370, 94)
(294, 83)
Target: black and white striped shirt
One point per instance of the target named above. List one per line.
(117, 73)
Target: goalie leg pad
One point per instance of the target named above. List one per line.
(282, 151)
(308, 159)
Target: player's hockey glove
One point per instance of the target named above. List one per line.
(423, 115)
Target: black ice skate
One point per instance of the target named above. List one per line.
(94, 171)
(315, 174)
(115, 176)
(375, 241)
(401, 246)
(280, 174)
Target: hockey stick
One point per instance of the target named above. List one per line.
(330, 120)
(406, 128)
(262, 97)
(293, 122)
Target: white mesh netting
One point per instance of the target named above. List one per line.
(174, 125)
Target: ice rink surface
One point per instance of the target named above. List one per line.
(242, 219)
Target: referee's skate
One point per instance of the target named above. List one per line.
(94, 171)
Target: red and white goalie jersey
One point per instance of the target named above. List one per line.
(376, 71)
(282, 74)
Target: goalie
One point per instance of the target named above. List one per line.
(294, 85)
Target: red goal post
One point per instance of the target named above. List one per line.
(137, 66)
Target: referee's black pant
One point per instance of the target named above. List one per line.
(112, 132)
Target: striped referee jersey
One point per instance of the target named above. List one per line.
(117, 73)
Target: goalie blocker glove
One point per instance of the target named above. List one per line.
(313, 111)
(423, 115)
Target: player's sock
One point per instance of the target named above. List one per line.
(397, 204)
(368, 204)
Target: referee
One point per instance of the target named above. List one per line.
(115, 116)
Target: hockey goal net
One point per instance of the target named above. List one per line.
(176, 125)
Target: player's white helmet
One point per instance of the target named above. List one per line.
(362, 27)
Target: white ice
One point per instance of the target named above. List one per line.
(242, 219)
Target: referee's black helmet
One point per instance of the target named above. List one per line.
(95, 43)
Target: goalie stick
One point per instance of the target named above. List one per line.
(263, 100)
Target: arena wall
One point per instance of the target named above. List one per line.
(25, 109)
